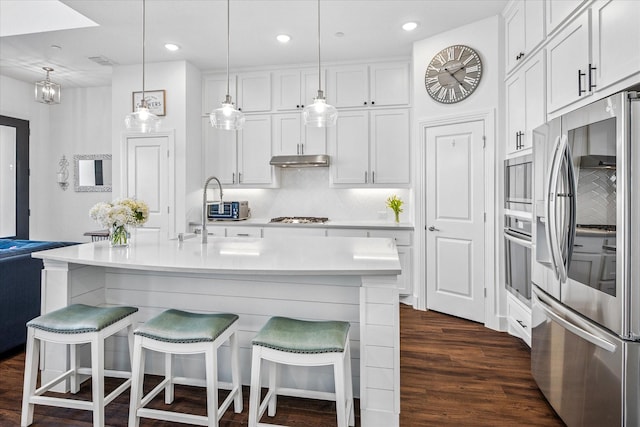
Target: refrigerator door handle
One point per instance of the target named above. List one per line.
(549, 311)
(572, 188)
(551, 228)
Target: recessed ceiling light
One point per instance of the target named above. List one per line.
(409, 26)
(339, 34)
(283, 38)
(172, 47)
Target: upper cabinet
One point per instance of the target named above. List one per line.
(615, 41)
(597, 50)
(291, 136)
(254, 92)
(525, 103)
(293, 89)
(558, 11)
(383, 84)
(370, 148)
(215, 91)
(524, 30)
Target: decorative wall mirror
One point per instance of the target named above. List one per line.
(92, 172)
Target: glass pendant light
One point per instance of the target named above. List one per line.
(47, 91)
(227, 117)
(142, 120)
(319, 114)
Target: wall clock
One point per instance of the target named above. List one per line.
(453, 74)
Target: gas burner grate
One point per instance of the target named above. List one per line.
(299, 220)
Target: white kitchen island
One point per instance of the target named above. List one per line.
(332, 278)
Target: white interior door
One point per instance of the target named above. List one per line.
(455, 219)
(147, 177)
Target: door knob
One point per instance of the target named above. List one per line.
(432, 228)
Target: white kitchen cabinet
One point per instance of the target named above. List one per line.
(383, 84)
(524, 30)
(569, 69)
(519, 319)
(291, 136)
(241, 158)
(370, 148)
(615, 41)
(557, 11)
(525, 104)
(254, 91)
(295, 88)
(294, 231)
(244, 231)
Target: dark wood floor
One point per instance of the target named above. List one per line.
(453, 373)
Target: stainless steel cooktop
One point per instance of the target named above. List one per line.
(300, 220)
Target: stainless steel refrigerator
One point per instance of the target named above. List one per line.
(585, 349)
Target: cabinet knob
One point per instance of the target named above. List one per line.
(302, 106)
(373, 102)
(297, 106)
(365, 102)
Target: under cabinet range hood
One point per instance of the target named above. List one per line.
(301, 161)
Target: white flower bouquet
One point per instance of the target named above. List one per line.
(118, 215)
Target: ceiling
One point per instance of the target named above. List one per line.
(371, 29)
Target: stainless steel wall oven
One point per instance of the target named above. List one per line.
(517, 250)
(518, 193)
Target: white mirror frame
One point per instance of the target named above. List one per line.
(76, 177)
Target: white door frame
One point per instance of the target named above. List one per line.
(171, 146)
(492, 300)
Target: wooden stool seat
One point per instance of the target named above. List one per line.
(74, 325)
(302, 343)
(180, 332)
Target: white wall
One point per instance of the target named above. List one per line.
(484, 36)
(17, 101)
(182, 83)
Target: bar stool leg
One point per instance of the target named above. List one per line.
(341, 410)
(137, 381)
(97, 380)
(75, 365)
(273, 401)
(235, 373)
(254, 391)
(211, 369)
(349, 384)
(169, 389)
(30, 377)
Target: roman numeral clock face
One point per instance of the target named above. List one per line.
(453, 74)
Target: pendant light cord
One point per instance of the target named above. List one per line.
(144, 14)
(319, 70)
(228, 39)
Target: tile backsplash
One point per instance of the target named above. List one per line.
(306, 192)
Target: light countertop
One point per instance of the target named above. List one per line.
(264, 222)
(228, 255)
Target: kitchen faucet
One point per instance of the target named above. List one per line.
(204, 205)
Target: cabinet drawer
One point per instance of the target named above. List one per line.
(347, 232)
(519, 319)
(402, 237)
(244, 231)
(293, 231)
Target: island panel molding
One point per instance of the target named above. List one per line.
(156, 101)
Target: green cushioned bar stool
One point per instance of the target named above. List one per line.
(302, 343)
(73, 325)
(180, 332)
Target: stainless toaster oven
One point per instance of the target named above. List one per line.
(228, 211)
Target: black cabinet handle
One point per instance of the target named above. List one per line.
(519, 56)
(519, 143)
(524, 326)
(580, 76)
(591, 70)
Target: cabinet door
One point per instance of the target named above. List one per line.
(254, 151)
(514, 24)
(515, 112)
(215, 91)
(616, 40)
(389, 147)
(534, 95)
(220, 155)
(405, 286)
(348, 86)
(286, 90)
(349, 142)
(286, 133)
(254, 92)
(389, 84)
(309, 86)
(240, 231)
(534, 24)
(558, 11)
(567, 65)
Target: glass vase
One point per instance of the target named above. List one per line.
(397, 214)
(119, 236)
